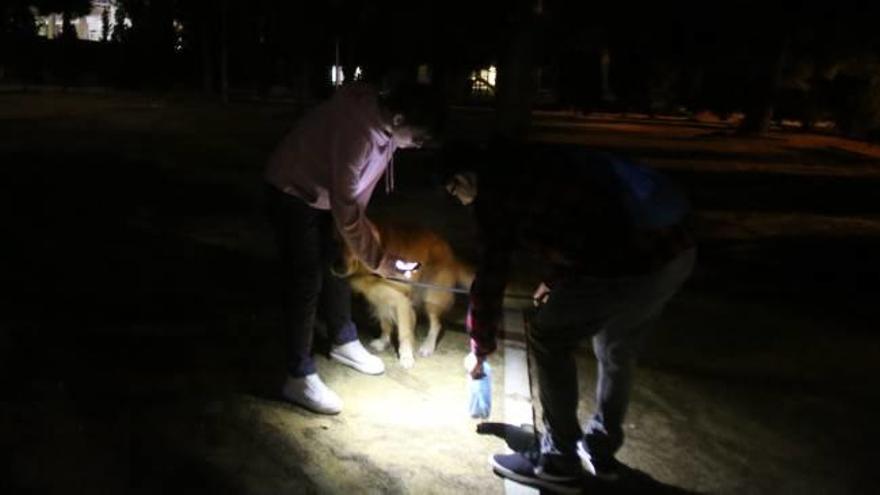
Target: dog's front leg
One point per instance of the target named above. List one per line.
(406, 323)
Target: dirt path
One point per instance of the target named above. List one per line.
(140, 350)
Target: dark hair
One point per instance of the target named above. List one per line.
(420, 104)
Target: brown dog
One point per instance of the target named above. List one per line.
(393, 303)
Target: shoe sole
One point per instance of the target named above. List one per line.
(311, 408)
(353, 364)
(533, 481)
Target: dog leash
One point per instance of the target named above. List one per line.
(423, 285)
(528, 315)
(455, 290)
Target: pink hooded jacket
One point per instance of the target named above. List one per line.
(333, 160)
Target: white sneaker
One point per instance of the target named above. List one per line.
(353, 354)
(311, 393)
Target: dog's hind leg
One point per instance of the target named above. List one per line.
(381, 343)
(430, 342)
(436, 303)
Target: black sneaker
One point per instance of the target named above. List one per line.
(604, 469)
(529, 469)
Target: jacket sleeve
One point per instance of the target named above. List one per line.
(485, 311)
(348, 162)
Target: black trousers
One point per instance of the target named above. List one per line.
(307, 249)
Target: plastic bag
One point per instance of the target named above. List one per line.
(480, 390)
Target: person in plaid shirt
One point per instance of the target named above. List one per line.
(609, 235)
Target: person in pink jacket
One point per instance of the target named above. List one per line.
(320, 179)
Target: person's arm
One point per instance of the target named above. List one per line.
(348, 162)
(485, 311)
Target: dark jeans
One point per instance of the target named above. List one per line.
(308, 249)
(616, 313)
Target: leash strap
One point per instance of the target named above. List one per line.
(423, 285)
(527, 320)
(455, 290)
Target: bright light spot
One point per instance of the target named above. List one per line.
(178, 35)
(446, 409)
(490, 74)
(358, 74)
(88, 27)
(337, 75)
(483, 80)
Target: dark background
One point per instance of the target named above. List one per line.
(138, 270)
(808, 60)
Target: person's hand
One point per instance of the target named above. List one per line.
(541, 295)
(474, 365)
(407, 268)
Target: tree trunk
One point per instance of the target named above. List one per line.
(224, 51)
(207, 57)
(757, 121)
(105, 25)
(67, 29)
(51, 30)
(516, 75)
(760, 114)
(605, 71)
